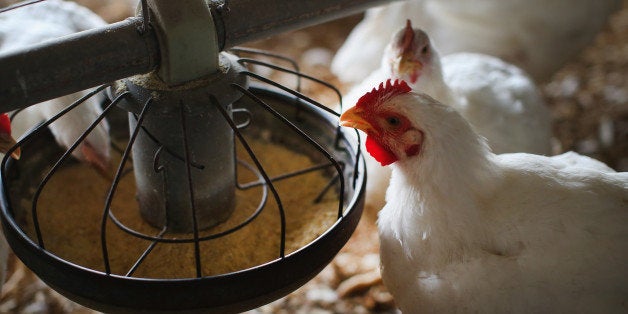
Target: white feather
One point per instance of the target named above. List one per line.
(501, 102)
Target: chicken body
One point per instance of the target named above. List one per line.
(539, 36)
(465, 230)
(500, 101)
(37, 23)
(497, 98)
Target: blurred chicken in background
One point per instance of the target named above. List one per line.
(539, 36)
(498, 99)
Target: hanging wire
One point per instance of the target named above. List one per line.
(140, 235)
(169, 151)
(312, 101)
(300, 133)
(289, 90)
(247, 122)
(265, 53)
(301, 96)
(297, 73)
(286, 176)
(54, 118)
(157, 167)
(114, 185)
(65, 155)
(282, 215)
(329, 185)
(149, 249)
(188, 169)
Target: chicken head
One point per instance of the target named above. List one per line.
(390, 134)
(6, 140)
(410, 53)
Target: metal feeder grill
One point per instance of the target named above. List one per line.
(172, 163)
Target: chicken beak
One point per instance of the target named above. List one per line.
(352, 118)
(6, 143)
(409, 66)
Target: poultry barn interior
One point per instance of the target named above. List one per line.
(588, 99)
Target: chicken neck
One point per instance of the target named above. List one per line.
(433, 200)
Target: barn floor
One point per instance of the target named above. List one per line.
(589, 103)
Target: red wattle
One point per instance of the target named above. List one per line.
(384, 156)
(5, 123)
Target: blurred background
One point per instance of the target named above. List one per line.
(588, 98)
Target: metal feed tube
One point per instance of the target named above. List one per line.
(184, 156)
(160, 152)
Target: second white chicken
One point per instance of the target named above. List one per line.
(37, 23)
(539, 36)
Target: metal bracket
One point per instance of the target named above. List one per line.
(187, 39)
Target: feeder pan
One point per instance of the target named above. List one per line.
(180, 144)
(225, 293)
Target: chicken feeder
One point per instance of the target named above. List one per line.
(215, 165)
(223, 293)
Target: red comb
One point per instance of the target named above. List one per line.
(5, 123)
(383, 93)
(408, 36)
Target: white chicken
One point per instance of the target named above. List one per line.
(465, 230)
(44, 21)
(497, 98)
(539, 36)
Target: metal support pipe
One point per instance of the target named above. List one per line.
(76, 62)
(90, 58)
(241, 21)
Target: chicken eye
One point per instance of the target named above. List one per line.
(393, 121)
(425, 49)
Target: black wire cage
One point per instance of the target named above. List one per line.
(188, 157)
